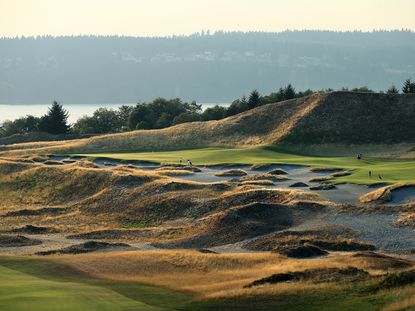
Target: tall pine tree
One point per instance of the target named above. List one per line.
(253, 100)
(55, 121)
(392, 90)
(408, 86)
(289, 92)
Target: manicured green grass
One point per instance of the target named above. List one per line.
(19, 291)
(391, 170)
(34, 284)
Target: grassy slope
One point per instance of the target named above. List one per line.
(341, 118)
(39, 284)
(33, 284)
(352, 299)
(19, 291)
(357, 118)
(391, 170)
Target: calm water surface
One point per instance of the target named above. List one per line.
(11, 112)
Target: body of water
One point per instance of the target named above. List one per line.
(11, 112)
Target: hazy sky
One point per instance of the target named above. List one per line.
(166, 17)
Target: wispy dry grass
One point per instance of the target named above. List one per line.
(385, 193)
(405, 304)
(210, 275)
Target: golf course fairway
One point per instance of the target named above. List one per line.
(391, 170)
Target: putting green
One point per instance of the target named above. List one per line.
(391, 170)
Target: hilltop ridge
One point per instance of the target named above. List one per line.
(321, 118)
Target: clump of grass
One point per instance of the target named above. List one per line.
(397, 280)
(278, 171)
(266, 176)
(171, 172)
(137, 224)
(234, 172)
(261, 166)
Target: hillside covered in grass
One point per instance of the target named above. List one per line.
(331, 118)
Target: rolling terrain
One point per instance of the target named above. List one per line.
(337, 118)
(124, 224)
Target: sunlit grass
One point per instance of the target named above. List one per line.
(390, 170)
(184, 280)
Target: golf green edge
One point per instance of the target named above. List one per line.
(391, 170)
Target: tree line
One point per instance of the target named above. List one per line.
(157, 114)
(53, 122)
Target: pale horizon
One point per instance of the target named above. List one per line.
(144, 18)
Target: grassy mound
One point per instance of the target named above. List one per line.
(87, 247)
(17, 241)
(317, 275)
(269, 177)
(231, 173)
(328, 238)
(123, 203)
(50, 184)
(331, 118)
(236, 224)
(303, 251)
(385, 194)
(30, 229)
(397, 280)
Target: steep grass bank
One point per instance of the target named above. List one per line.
(341, 118)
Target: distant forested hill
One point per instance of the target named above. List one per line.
(207, 68)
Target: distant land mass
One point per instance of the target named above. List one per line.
(217, 67)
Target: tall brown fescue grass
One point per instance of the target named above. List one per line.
(211, 275)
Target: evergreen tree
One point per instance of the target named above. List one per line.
(392, 90)
(408, 86)
(253, 100)
(55, 121)
(289, 92)
(244, 101)
(237, 106)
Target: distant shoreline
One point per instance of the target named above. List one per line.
(14, 111)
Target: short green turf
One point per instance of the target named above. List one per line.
(35, 284)
(391, 170)
(23, 292)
